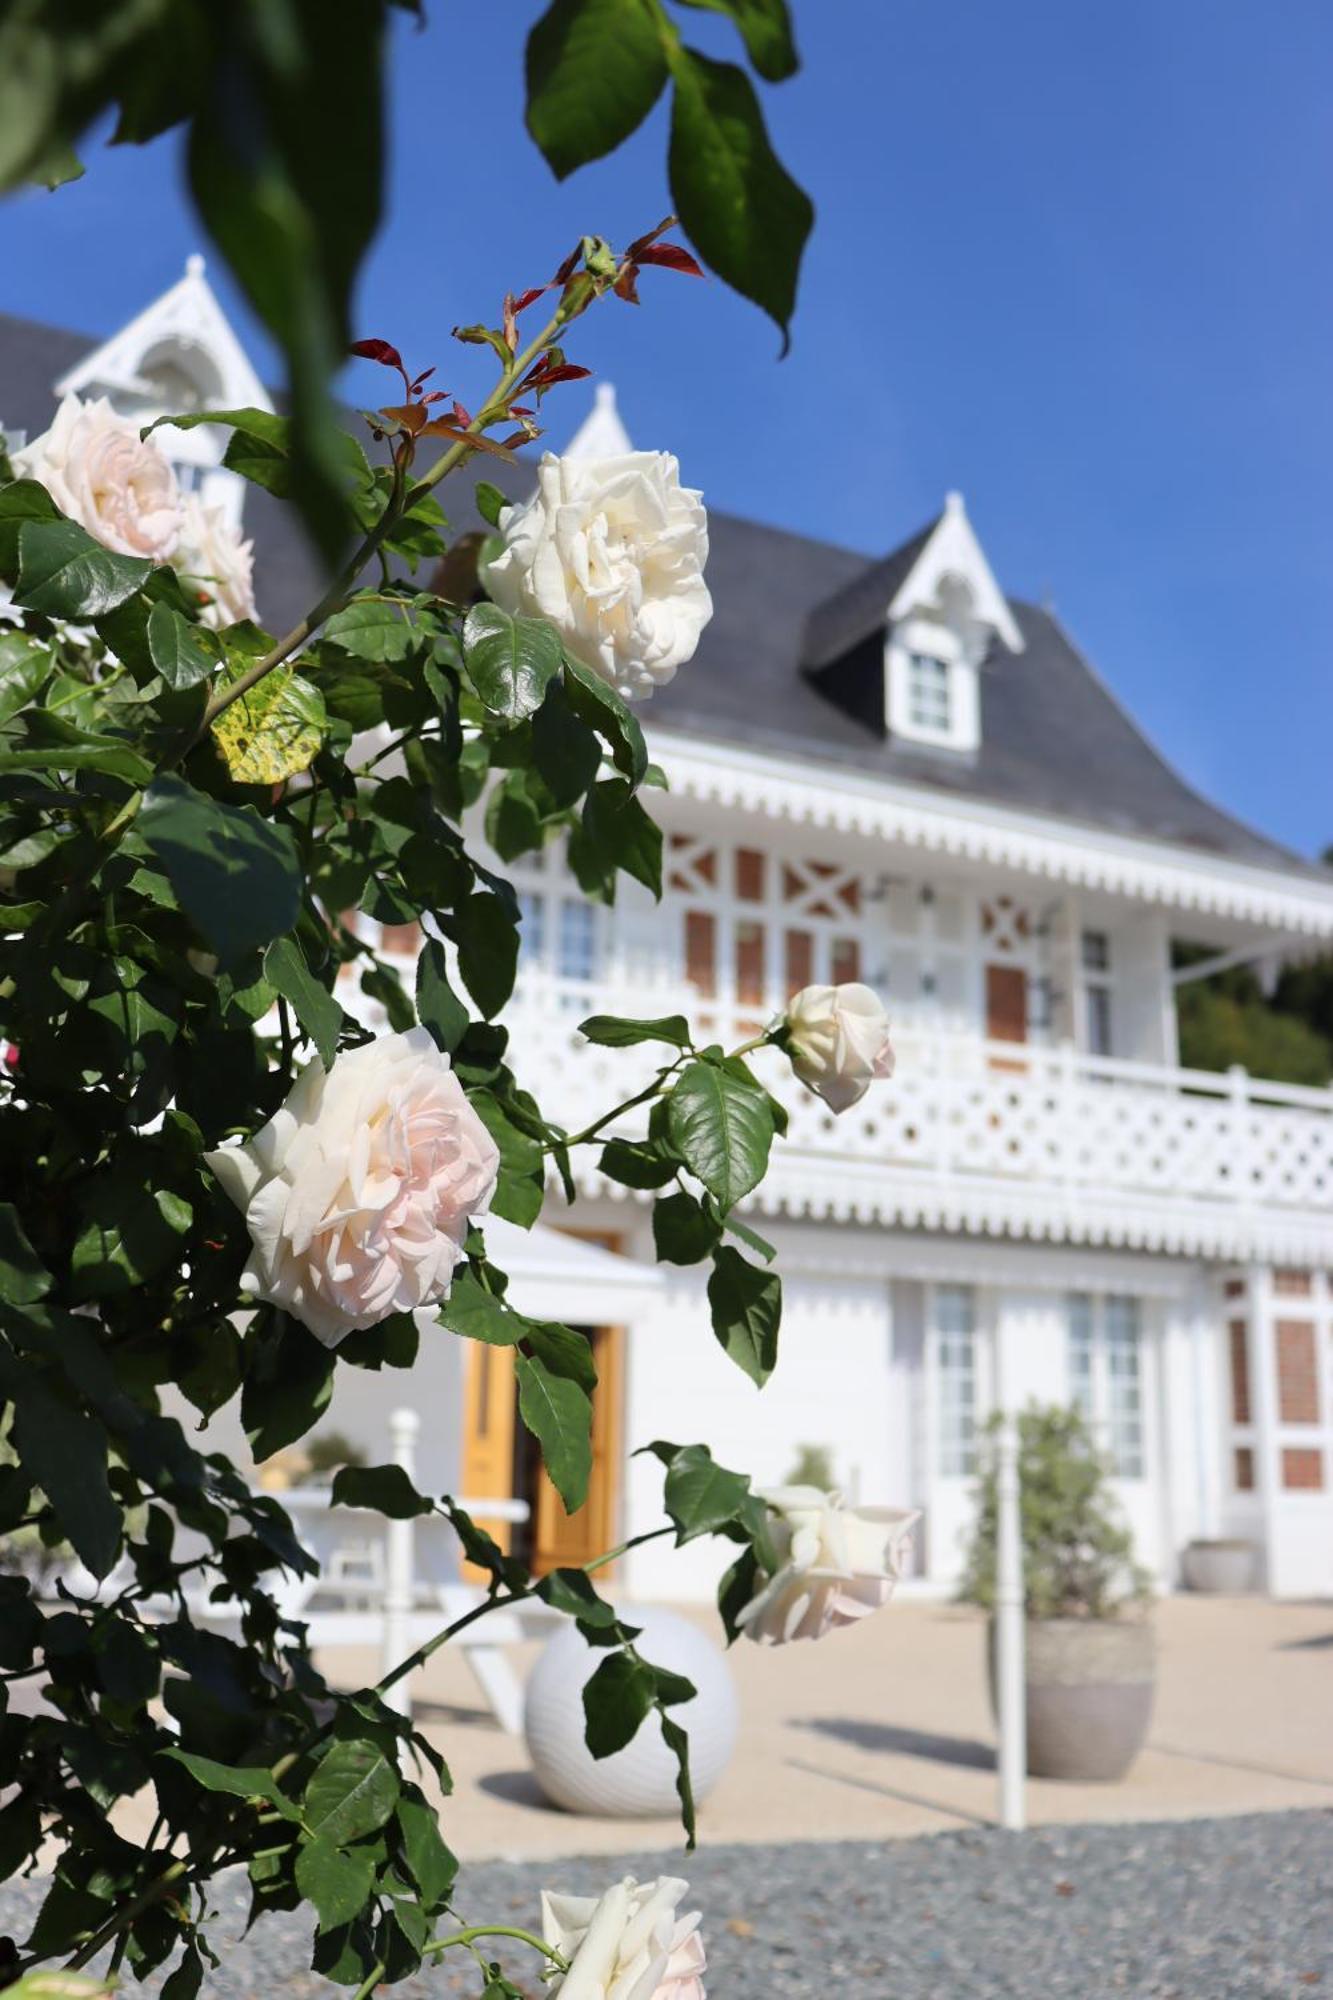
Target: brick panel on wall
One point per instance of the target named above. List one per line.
(1297, 1372)
(1302, 1469)
(1293, 1284)
(1243, 1465)
(1240, 1372)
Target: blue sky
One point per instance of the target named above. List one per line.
(1072, 260)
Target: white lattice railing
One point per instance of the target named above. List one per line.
(961, 1108)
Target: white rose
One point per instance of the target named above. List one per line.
(835, 1564)
(838, 1041)
(358, 1192)
(213, 556)
(628, 1944)
(102, 474)
(611, 551)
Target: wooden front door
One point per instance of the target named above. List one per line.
(1006, 1007)
(501, 1460)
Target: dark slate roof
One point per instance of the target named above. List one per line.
(768, 674)
(792, 661)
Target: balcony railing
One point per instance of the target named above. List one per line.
(964, 1110)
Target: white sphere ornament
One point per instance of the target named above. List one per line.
(638, 1782)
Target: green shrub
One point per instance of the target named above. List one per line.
(1078, 1556)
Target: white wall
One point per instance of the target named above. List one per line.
(831, 1387)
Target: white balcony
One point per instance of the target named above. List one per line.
(991, 1137)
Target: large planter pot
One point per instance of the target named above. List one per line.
(1089, 1685)
(1220, 1568)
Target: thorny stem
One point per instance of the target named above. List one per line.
(599, 1125)
(465, 1937)
(573, 301)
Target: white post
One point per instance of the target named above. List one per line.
(399, 1568)
(1010, 1692)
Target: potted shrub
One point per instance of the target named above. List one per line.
(1089, 1653)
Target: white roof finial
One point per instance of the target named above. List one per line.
(953, 503)
(601, 434)
(194, 265)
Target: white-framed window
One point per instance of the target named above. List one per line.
(576, 939)
(532, 928)
(929, 694)
(953, 1309)
(1104, 1349)
(1095, 956)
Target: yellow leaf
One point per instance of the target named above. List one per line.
(273, 731)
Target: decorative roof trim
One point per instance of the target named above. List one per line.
(188, 314)
(1153, 871)
(865, 1192)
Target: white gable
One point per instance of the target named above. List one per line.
(183, 340)
(601, 434)
(952, 566)
(179, 354)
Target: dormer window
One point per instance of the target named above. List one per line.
(929, 697)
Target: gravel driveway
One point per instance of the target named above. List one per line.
(1221, 1909)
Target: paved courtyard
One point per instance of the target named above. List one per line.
(885, 1729)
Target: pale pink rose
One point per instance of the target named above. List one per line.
(627, 1944)
(836, 1564)
(358, 1192)
(838, 1040)
(214, 560)
(102, 474)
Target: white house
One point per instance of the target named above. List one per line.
(891, 770)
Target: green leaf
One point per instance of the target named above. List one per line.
(239, 1781)
(743, 212)
(559, 1415)
(237, 876)
(438, 1006)
(746, 1304)
(384, 1489)
(603, 710)
(486, 934)
(700, 1495)
(510, 661)
(336, 1880)
(615, 834)
(683, 1230)
(678, 1743)
(566, 753)
(64, 573)
(564, 1351)
(765, 27)
(273, 731)
(614, 1031)
(637, 1166)
(65, 1452)
(617, 1699)
(373, 628)
(352, 1791)
(489, 501)
(175, 649)
(288, 1383)
(23, 1276)
(433, 1866)
(287, 973)
(126, 1233)
(479, 1315)
(722, 1128)
(595, 69)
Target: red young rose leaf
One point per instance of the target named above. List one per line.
(672, 256)
(379, 350)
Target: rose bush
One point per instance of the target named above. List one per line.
(217, 1186)
(611, 551)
